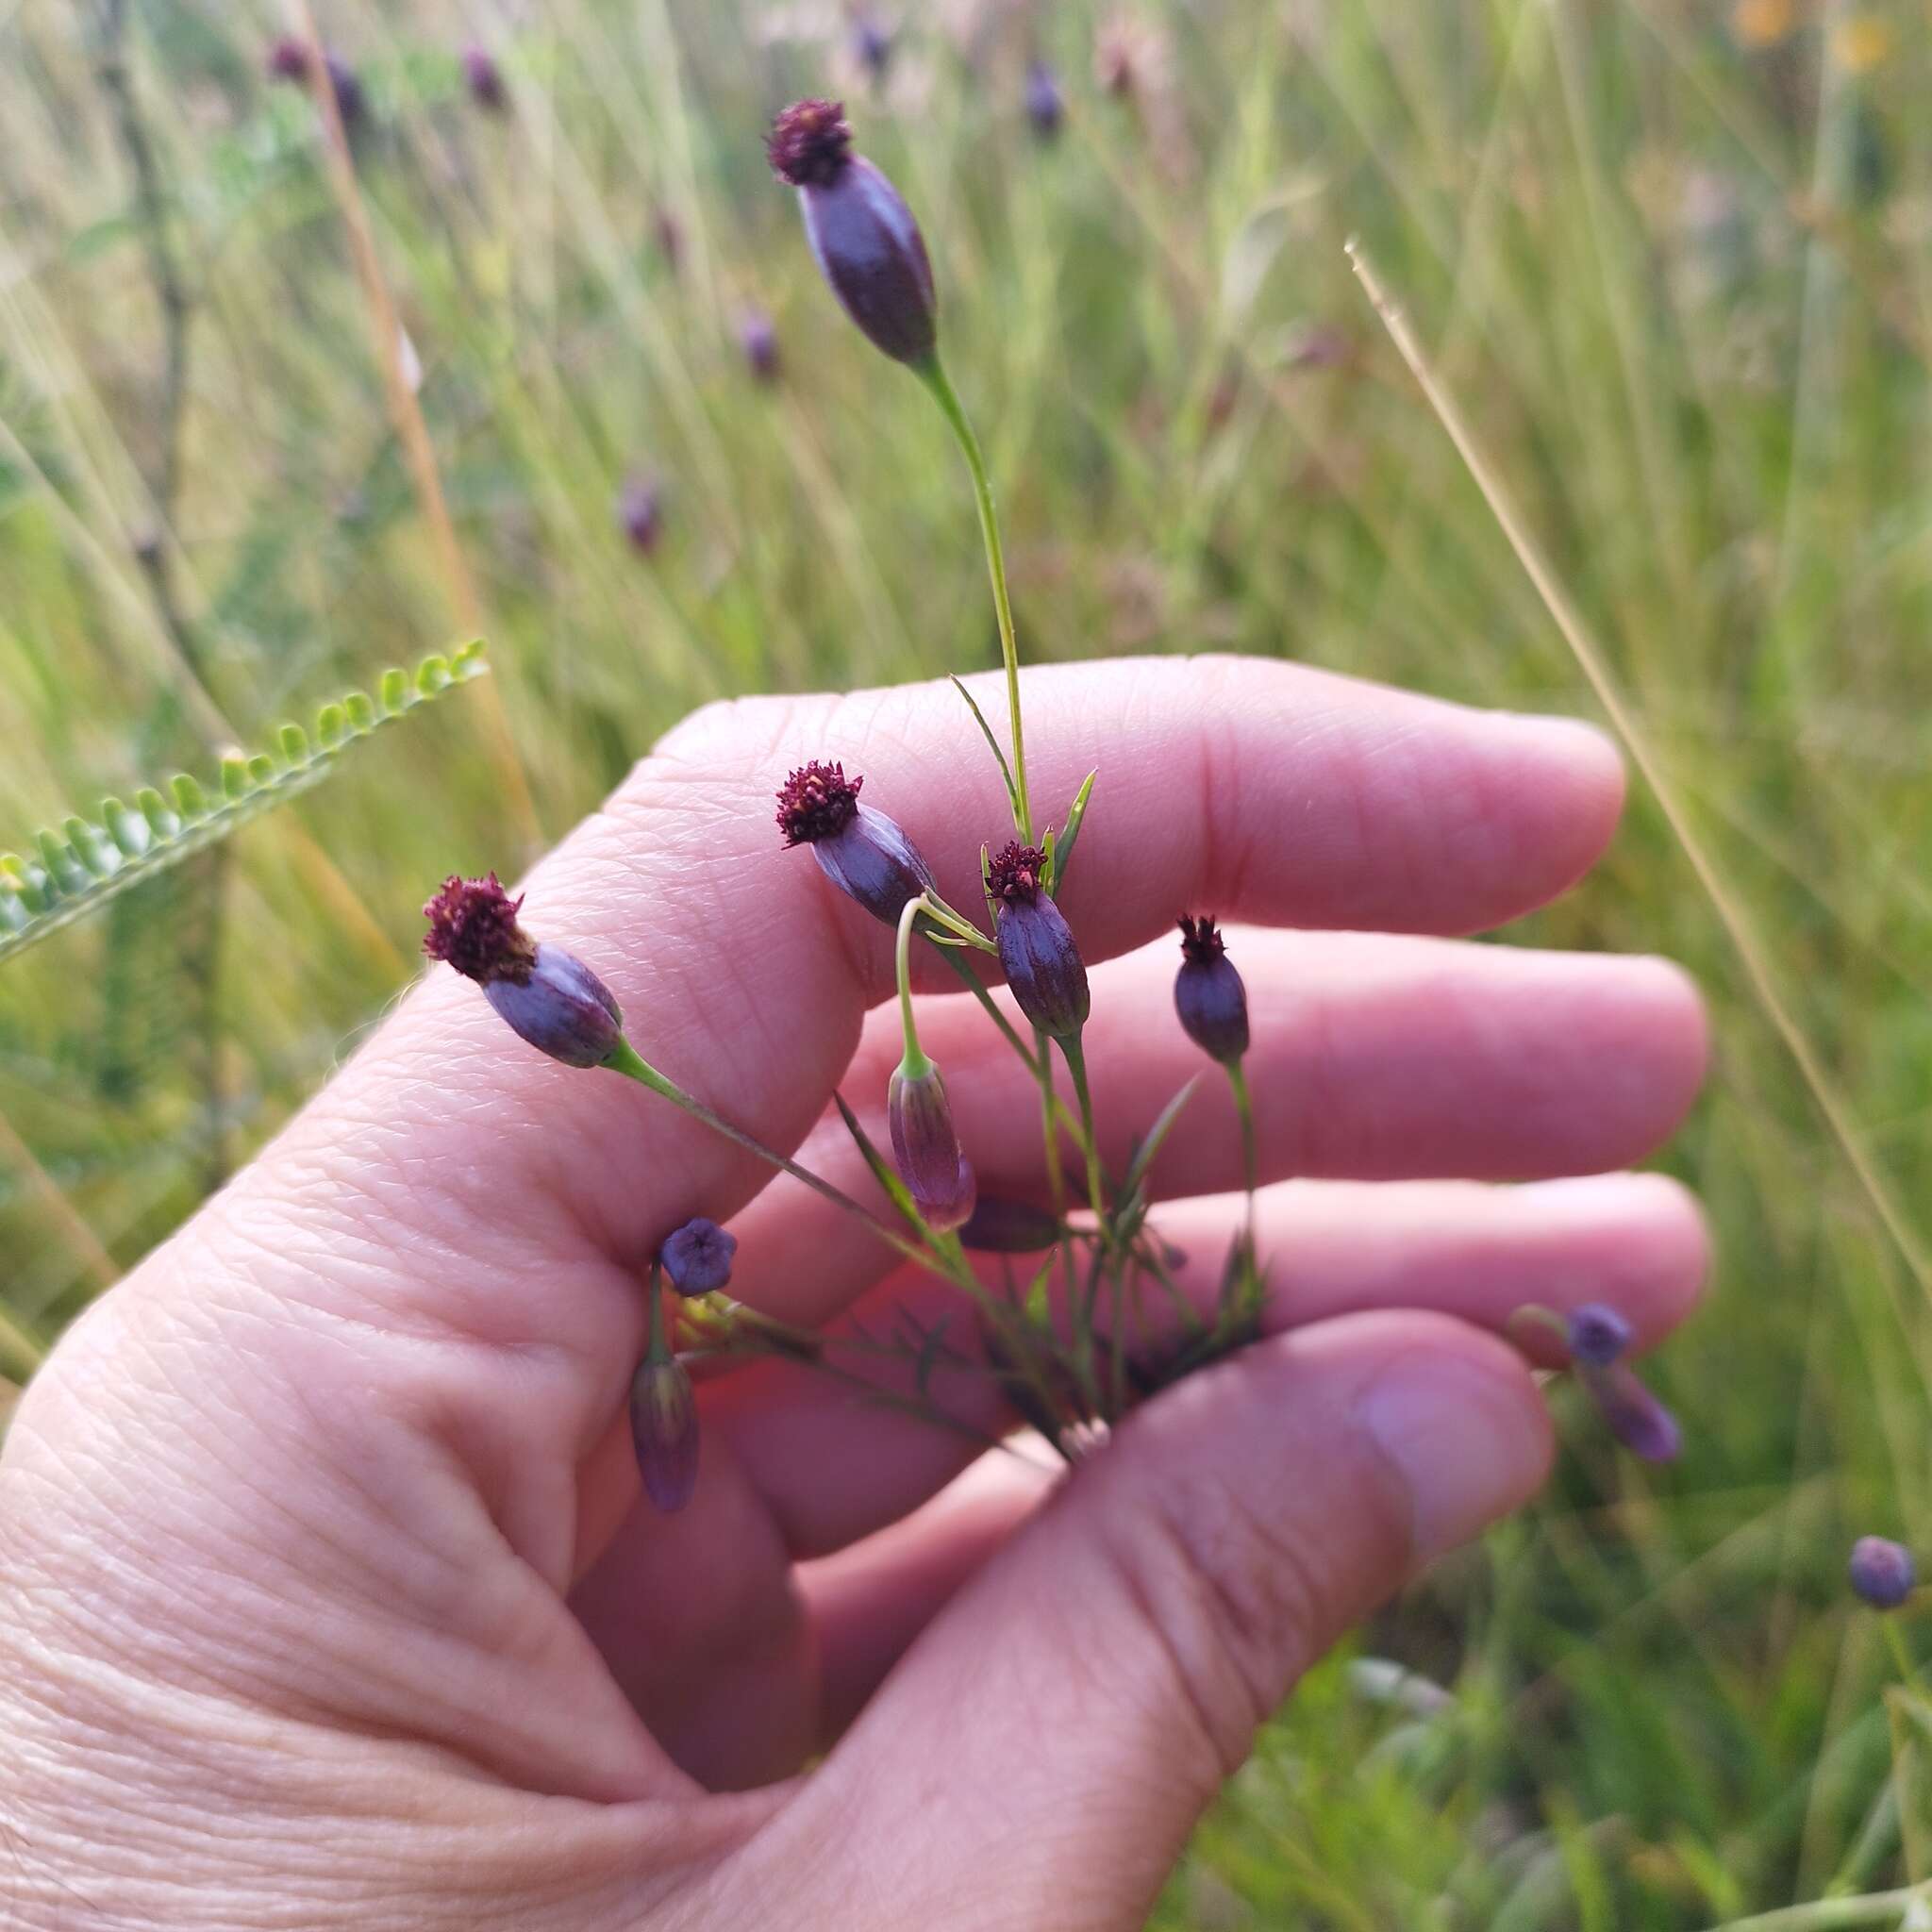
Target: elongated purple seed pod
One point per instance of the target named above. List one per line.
(1632, 1414)
(998, 1226)
(925, 1147)
(664, 1431)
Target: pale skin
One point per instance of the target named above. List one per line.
(326, 1595)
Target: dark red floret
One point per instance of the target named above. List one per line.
(1201, 940)
(810, 144)
(817, 801)
(473, 925)
(1017, 874)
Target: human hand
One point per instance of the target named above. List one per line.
(325, 1596)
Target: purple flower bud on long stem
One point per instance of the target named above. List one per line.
(1208, 994)
(758, 339)
(862, 851)
(1045, 108)
(484, 79)
(1883, 1572)
(1597, 1334)
(289, 59)
(925, 1145)
(1632, 1414)
(665, 1429)
(640, 514)
(873, 45)
(696, 1258)
(1042, 963)
(996, 1226)
(546, 995)
(866, 243)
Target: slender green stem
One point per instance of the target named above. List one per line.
(1096, 1184)
(1872, 1909)
(1238, 1079)
(1895, 1641)
(626, 1062)
(659, 1351)
(915, 1063)
(956, 922)
(932, 373)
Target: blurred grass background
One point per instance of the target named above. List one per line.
(1674, 260)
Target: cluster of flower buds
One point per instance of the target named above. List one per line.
(546, 995)
(290, 59)
(862, 851)
(867, 244)
(1882, 1571)
(1044, 971)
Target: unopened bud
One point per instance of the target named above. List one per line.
(1597, 1334)
(664, 1430)
(1208, 994)
(1882, 1571)
(696, 1258)
(547, 996)
(862, 851)
(926, 1146)
(863, 236)
(1042, 963)
(1631, 1413)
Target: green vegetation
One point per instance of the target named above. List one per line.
(1675, 270)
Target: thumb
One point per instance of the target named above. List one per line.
(1041, 1754)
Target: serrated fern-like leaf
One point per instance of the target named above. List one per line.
(66, 875)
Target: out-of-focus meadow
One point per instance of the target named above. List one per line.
(1676, 263)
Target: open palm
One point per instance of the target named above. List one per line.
(327, 1594)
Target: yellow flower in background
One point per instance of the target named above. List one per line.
(1861, 42)
(1762, 22)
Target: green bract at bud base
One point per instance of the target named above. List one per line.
(862, 235)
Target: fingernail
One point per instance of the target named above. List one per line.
(1464, 1439)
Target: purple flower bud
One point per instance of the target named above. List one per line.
(1631, 1413)
(289, 59)
(547, 996)
(873, 45)
(1597, 1335)
(927, 1147)
(862, 851)
(1046, 110)
(484, 79)
(1008, 1227)
(758, 339)
(1043, 964)
(640, 514)
(1208, 994)
(867, 244)
(1883, 1572)
(664, 1431)
(696, 1258)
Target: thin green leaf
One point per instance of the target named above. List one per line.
(992, 745)
(71, 872)
(1061, 848)
(883, 1170)
(1145, 1153)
